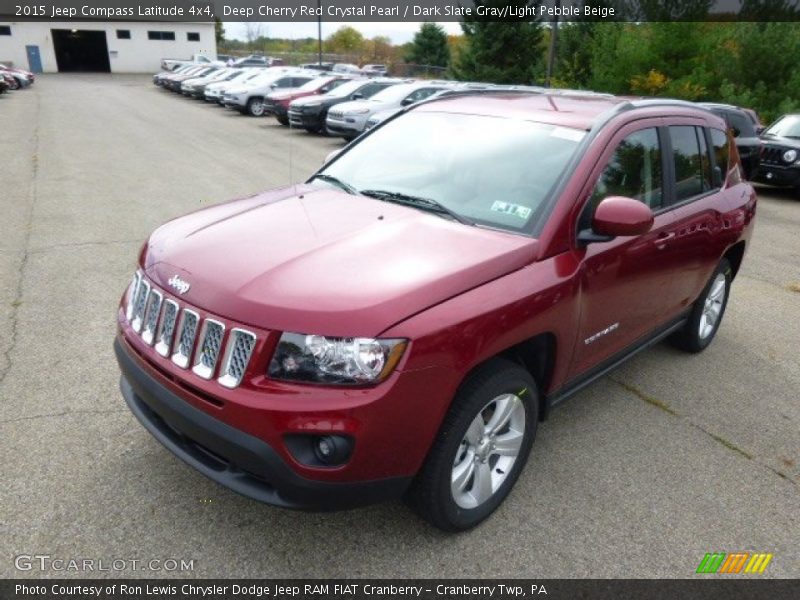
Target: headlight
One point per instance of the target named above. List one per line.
(348, 361)
(790, 156)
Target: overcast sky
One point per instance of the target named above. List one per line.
(399, 33)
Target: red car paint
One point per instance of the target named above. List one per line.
(282, 99)
(284, 261)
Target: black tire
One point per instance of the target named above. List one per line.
(691, 338)
(313, 130)
(431, 494)
(14, 85)
(283, 121)
(255, 107)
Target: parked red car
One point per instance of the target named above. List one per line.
(277, 103)
(401, 323)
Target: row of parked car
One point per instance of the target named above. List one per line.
(346, 104)
(14, 79)
(329, 102)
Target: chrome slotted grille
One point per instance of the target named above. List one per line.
(166, 328)
(179, 334)
(139, 305)
(151, 316)
(187, 331)
(210, 345)
(133, 290)
(237, 356)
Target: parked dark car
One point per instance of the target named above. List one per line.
(780, 153)
(277, 103)
(744, 134)
(253, 61)
(310, 113)
(401, 323)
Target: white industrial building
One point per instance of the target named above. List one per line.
(102, 46)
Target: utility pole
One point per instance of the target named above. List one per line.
(551, 54)
(319, 32)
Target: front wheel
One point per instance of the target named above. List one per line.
(283, 120)
(707, 312)
(481, 449)
(255, 107)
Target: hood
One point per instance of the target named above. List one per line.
(315, 99)
(287, 94)
(322, 261)
(357, 104)
(774, 140)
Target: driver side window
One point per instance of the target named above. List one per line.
(634, 171)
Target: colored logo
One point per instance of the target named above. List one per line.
(736, 562)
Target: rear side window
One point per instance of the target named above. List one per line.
(690, 179)
(720, 153)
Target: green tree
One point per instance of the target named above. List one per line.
(429, 46)
(501, 51)
(345, 40)
(219, 30)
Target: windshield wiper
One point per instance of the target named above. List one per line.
(336, 181)
(428, 204)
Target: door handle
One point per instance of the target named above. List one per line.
(663, 238)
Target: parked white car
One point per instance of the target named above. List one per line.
(249, 98)
(215, 91)
(170, 64)
(349, 119)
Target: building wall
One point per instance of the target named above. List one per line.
(136, 55)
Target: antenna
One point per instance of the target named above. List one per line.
(291, 148)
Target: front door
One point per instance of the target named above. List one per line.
(625, 283)
(34, 59)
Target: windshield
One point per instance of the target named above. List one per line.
(488, 170)
(345, 89)
(314, 84)
(786, 126)
(395, 93)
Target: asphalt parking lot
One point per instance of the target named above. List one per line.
(640, 475)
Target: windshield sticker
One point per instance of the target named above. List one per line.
(508, 208)
(565, 133)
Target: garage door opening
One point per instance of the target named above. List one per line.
(81, 50)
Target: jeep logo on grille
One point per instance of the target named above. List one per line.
(178, 284)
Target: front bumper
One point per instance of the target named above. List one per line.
(299, 118)
(343, 127)
(231, 457)
(778, 175)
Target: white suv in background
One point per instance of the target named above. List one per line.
(249, 98)
(215, 91)
(349, 119)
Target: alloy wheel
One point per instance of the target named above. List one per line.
(488, 451)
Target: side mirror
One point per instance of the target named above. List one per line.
(618, 216)
(357, 96)
(273, 85)
(407, 101)
(331, 156)
(736, 132)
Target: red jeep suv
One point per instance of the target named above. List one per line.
(400, 324)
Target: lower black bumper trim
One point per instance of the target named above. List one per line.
(237, 460)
